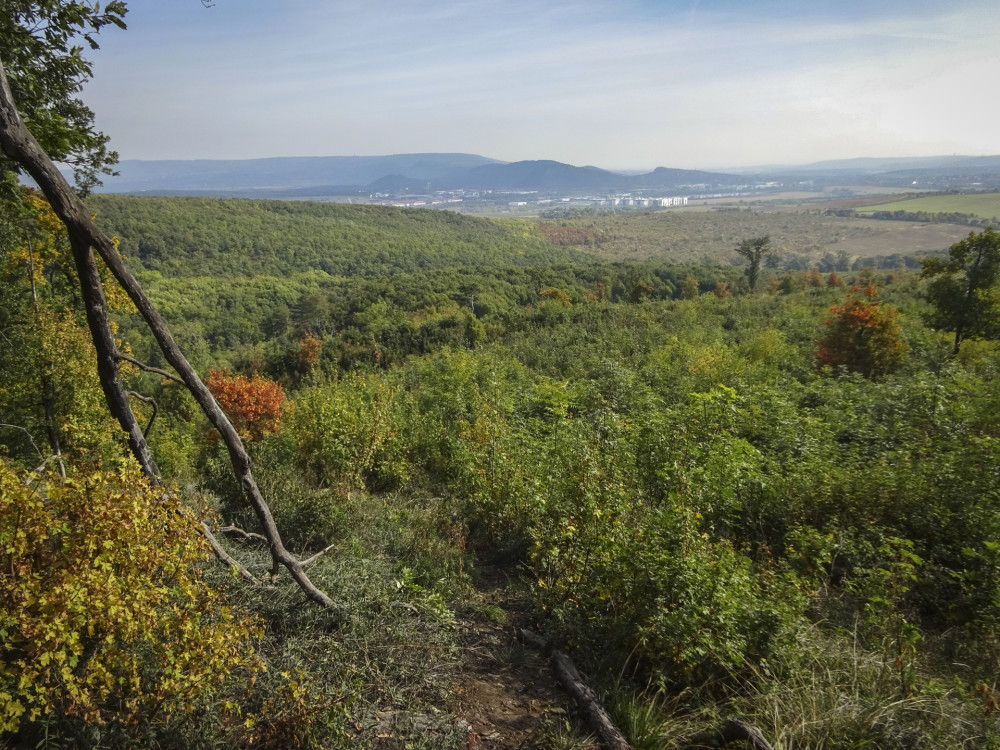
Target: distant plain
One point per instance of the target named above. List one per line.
(698, 235)
(983, 205)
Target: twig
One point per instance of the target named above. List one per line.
(226, 558)
(318, 555)
(246, 536)
(148, 368)
(30, 439)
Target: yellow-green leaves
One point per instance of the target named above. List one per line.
(106, 612)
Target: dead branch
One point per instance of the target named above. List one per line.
(318, 555)
(590, 705)
(30, 439)
(733, 730)
(149, 368)
(226, 559)
(246, 536)
(40, 468)
(146, 400)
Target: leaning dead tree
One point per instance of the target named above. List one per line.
(85, 238)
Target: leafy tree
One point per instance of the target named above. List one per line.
(555, 294)
(42, 48)
(310, 348)
(863, 336)
(689, 290)
(754, 250)
(47, 380)
(963, 287)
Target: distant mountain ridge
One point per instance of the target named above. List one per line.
(906, 163)
(413, 173)
(280, 173)
(424, 173)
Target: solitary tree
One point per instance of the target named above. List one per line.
(754, 250)
(963, 287)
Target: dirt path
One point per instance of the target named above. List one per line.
(505, 690)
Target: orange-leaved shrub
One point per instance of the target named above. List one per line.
(254, 405)
(863, 336)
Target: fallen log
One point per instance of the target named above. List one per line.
(590, 705)
(733, 730)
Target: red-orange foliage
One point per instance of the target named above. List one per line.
(309, 349)
(833, 280)
(561, 234)
(255, 405)
(722, 289)
(863, 335)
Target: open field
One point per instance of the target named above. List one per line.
(798, 197)
(697, 235)
(984, 205)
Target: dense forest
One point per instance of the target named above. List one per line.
(759, 482)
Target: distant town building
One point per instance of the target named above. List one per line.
(674, 201)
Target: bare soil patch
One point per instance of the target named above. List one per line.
(505, 690)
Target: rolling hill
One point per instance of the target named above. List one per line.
(294, 177)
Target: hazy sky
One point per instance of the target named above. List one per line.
(613, 83)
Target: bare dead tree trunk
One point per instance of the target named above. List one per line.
(19, 145)
(107, 359)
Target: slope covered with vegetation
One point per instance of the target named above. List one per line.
(215, 237)
(772, 496)
(780, 505)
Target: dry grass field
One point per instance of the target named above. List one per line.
(699, 235)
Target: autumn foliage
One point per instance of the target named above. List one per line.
(104, 615)
(254, 405)
(309, 351)
(561, 234)
(863, 336)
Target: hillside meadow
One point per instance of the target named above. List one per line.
(803, 236)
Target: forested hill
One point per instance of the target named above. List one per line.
(231, 237)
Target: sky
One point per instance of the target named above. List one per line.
(618, 84)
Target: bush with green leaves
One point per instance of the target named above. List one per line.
(107, 624)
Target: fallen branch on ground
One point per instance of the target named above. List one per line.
(733, 730)
(590, 705)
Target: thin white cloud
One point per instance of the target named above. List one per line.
(629, 84)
